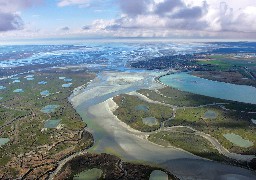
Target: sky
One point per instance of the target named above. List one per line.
(220, 19)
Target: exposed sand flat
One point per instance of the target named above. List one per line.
(130, 141)
(111, 135)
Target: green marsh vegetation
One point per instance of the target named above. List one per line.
(129, 113)
(22, 121)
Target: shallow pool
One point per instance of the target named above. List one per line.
(91, 174)
(67, 80)
(210, 114)
(2, 87)
(158, 175)
(16, 81)
(18, 90)
(3, 141)
(66, 85)
(45, 93)
(142, 107)
(42, 82)
(238, 140)
(150, 121)
(51, 123)
(49, 108)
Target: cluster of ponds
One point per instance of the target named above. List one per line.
(189, 83)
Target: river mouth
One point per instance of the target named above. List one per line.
(189, 83)
(95, 106)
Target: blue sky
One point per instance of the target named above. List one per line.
(227, 19)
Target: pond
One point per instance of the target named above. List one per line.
(66, 85)
(42, 82)
(45, 93)
(67, 80)
(62, 77)
(142, 107)
(186, 82)
(1, 98)
(18, 90)
(158, 175)
(2, 87)
(91, 174)
(49, 108)
(150, 121)
(30, 79)
(253, 120)
(3, 141)
(16, 81)
(51, 123)
(30, 76)
(238, 140)
(210, 114)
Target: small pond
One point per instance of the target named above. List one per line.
(62, 77)
(238, 140)
(49, 108)
(15, 78)
(45, 93)
(253, 121)
(158, 175)
(142, 108)
(66, 85)
(42, 82)
(67, 80)
(18, 90)
(30, 76)
(2, 87)
(30, 79)
(210, 114)
(150, 121)
(16, 81)
(51, 123)
(1, 98)
(3, 141)
(91, 174)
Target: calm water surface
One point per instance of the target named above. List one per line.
(196, 85)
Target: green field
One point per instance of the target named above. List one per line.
(188, 141)
(129, 113)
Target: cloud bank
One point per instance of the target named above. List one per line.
(9, 15)
(178, 18)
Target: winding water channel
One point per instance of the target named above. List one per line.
(95, 106)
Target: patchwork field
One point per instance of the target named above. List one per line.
(36, 142)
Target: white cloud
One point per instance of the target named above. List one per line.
(182, 18)
(80, 3)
